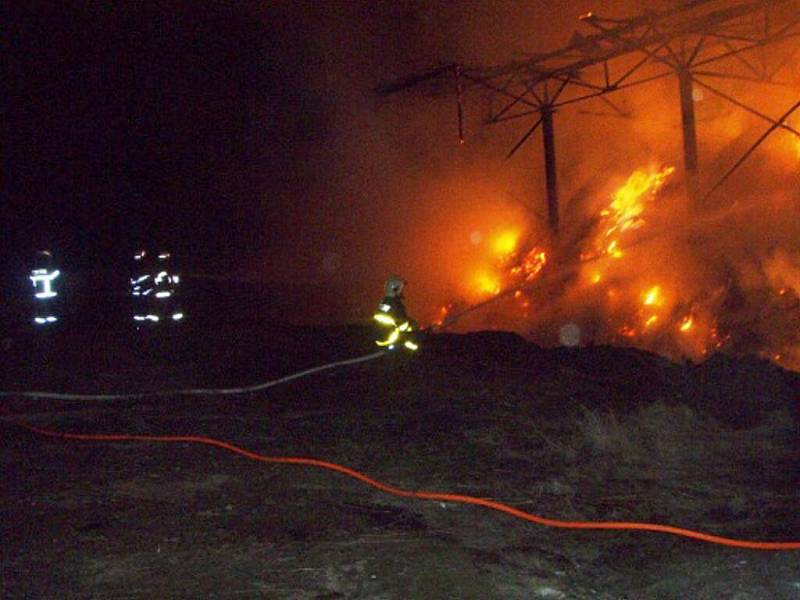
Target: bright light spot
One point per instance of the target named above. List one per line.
(505, 243)
(652, 295)
(177, 316)
(487, 284)
(651, 321)
(570, 335)
(613, 250)
(153, 318)
(686, 323)
(163, 294)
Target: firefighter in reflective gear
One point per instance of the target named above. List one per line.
(154, 289)
(44, 278)
(397, 330)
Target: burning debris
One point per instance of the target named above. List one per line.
(654, 261)
(641, 278)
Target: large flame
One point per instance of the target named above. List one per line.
(662, 295)
(625, 212)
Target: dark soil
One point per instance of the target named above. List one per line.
(580, 434)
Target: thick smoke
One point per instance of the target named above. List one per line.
(391, 190)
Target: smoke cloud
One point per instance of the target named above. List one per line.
(392, 191)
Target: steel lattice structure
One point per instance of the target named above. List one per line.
(687, 42)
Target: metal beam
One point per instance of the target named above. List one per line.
(549, 140)
(686, 89)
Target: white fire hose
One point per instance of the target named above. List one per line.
(196, 391)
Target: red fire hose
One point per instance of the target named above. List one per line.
(422, 495)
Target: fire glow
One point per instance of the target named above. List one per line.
(638, 281)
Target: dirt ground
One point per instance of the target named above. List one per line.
(589, 434)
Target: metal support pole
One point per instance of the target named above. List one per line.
(550, 167)
(689, 131)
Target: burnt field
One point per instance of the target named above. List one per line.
(597, 433)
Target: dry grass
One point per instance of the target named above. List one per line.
(657, 432)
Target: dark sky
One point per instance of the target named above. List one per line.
(235, 133)
(153, 123)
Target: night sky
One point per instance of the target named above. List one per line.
(152, 124)
(238, 134)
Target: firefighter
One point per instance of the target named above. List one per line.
(154, 289)
(45, 296)
(397, 330)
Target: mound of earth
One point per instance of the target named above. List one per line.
(580, 434)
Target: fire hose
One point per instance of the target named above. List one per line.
(420, 495)
(196, 391)
(386, 488)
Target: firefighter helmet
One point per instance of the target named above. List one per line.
(394, 287)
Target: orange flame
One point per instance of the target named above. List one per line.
(651, 297)
(487, 283)
(628, 203)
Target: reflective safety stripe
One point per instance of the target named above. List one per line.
(46, 278)
(411, 345)
(384, 307)
(384, 319)
(177, 316)
(45, 320)
(405, 326)
(163, 294)
(391, 339)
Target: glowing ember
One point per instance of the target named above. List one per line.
(651, 297)
(686, 323)
(531, 265)
(444, 312)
